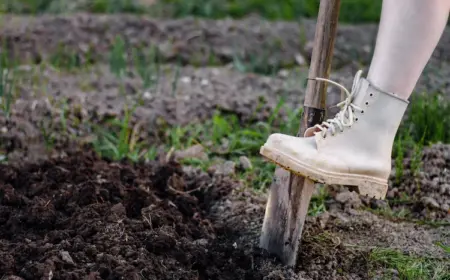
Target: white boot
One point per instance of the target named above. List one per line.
(353, 149)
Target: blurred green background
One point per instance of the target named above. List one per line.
(352, 11)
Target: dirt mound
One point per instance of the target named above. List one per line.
(428, 191)
(190, 41)
(79, 217)
(84, 218)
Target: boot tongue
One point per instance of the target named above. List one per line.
(358, 100)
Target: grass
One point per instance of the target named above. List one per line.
(427, 123)
(409, 267)
(224, 136)
(351, 10)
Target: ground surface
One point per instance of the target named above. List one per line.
(67, 214)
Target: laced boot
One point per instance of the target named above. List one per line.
(353, 149)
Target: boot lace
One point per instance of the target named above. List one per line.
(345, 117)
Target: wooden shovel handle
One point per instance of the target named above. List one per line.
(316, 92)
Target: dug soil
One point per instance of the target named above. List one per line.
(80, 217)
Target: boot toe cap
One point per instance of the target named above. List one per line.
(291, 145)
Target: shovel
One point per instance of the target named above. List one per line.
(290, 194)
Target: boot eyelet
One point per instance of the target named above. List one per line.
(371, 94)
(367, 103)
(356, 119)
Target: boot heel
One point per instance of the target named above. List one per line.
(373, 189)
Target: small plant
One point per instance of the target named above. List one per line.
(175, 79)
(147, 65)
(444, 247)
(115, 6)
(399, 152)
(65, 59)
(416, 161)
(117, 58)
(119, 145)
(49, 136)
(427, 119)
(63, 115)
(317, 204)
(7, 82)
(351, 10)
(257, 64)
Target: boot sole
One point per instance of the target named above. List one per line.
(368, 186)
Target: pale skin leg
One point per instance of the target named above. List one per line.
(409, 32)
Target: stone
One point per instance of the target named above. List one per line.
(323, 219)
(65, 256)
(118, 209)
(226, 168)
(445, 189)
(196, 151)
(430, 202)
(300, 59)
(349, 199)
(245, 163)
(378, 204)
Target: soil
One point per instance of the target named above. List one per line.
(67, 214)
(80, 217)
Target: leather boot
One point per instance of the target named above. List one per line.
(352, 149)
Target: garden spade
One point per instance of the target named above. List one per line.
(289, 194)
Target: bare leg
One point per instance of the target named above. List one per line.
(408, 34)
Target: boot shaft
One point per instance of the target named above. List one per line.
(375, 127)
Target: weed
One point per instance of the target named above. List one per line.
(427, 119)
(7, 82)
(65, 59)
(175, 79)
(147, 66)
(48, 135)
(63, 115)
(444, 247)
(257, 63)
(115, 6)
(26, 6)
(401, 214)
(409, 266)
(117, 59)
(351, 10)
(317, 205)
(399, 156)
(122, 144)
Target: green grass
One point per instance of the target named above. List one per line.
(427, 123)
(224, 136)
(63, 6)
(7, 83)
(351, 10)
(409, 267)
